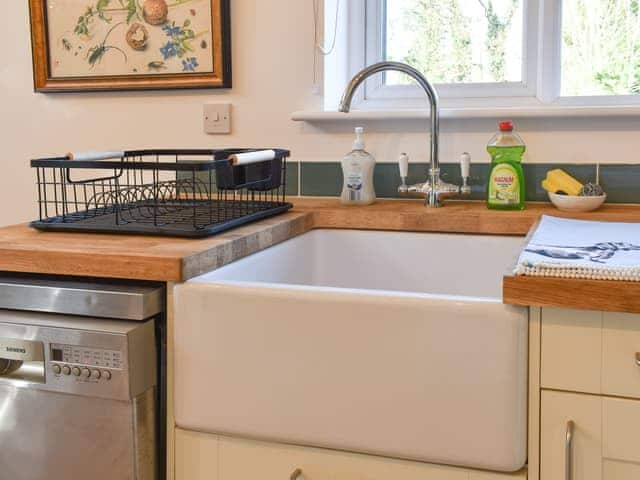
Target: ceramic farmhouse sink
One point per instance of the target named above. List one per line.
(388, 343)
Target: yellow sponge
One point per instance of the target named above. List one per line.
(550, 186)
(558, 180)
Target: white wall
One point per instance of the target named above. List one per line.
(272, 63)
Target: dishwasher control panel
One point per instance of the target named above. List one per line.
(81, 371)
(101, 358)
(85, 364)
(79, 355)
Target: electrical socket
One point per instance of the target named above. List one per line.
(217, 118)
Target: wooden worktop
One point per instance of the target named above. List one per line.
(23, 249)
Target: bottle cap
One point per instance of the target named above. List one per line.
(506, 126)
(358, 143)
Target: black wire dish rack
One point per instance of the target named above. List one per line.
(180, 193)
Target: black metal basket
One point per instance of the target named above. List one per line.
(184, 193)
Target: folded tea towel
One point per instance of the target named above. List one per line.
(582, 249)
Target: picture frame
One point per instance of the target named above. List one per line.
(107, 45)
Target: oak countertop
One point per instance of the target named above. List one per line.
(23, 249)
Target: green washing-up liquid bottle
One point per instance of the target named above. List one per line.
(506, 189)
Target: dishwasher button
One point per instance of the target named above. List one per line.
(76, 371)
(56, 369)
(95, 374)
(66, 370)
(106, 374)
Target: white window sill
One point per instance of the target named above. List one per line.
(473, 112)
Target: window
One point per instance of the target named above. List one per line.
(456, 41)
(494, 52)
(600, 47)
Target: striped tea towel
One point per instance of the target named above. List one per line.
(582, 249)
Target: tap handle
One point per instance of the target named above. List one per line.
(465, 165)
(465, 172)
(403, 163)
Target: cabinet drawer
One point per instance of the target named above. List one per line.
(571, 350)
(620, 354)
(202, 456)
(591, 352)
(605, 444)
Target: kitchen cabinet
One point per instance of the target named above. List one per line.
(558, 409)
(597, 436)
(591, 352)
(589, 392)
(201, 456)
(621, 354)
(571, 350)
(196, 456)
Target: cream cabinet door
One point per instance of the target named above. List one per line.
(201, 456)
(604, 443)
(591, 352)
(621, 431)
(621, 354)
(580, 446)
(196, 456)
(249, 460)
(571, 344)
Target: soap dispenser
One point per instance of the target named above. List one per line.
(357, 169)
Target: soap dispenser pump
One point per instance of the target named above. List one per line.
(357, 169)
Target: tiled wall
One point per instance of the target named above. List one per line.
(621, 182)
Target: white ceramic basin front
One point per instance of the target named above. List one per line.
(388, 343)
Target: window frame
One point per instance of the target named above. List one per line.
(552, 15)
(541, 75)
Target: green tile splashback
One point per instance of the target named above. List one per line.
(292, 177)
(621, 182)
(324, 179)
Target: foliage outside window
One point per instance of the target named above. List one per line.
(456, 41)
(461, 42)
(600, 47)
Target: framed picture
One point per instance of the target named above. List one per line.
(84, 45)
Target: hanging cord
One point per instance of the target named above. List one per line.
(317, 47)
(321, 48)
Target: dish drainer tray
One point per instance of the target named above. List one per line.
(183, 193)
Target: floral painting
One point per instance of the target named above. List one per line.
(133, 41)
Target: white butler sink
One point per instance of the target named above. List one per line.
(394, 344)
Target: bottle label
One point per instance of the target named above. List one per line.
(354, 185)
(504, 185)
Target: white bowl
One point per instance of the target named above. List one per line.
(572, 203)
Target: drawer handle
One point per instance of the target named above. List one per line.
(638, 358)
(568, 451)
(296, 475)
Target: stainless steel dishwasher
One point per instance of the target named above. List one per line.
(79, 384)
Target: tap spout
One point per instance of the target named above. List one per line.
(432, 95)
